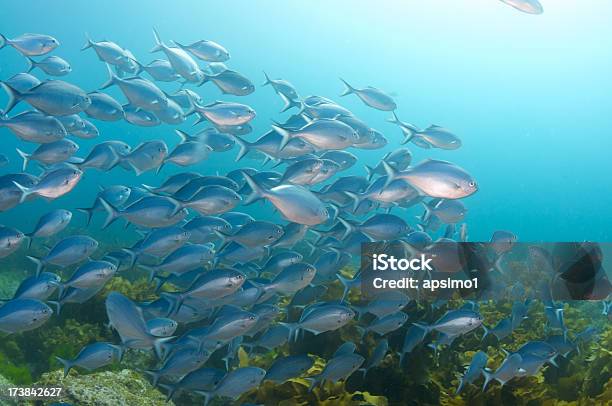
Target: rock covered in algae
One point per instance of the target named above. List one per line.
(120, 388)
(4, 384)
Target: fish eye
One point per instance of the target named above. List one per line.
(472, 184)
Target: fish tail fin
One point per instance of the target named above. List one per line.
(158, 345)
(486, 332)
(201, 118)
(159, 282)
(460, 387)
(348, 89)
(498, 263)
(88, 211)
(207, 396)
(159, 45)
(66, 364)
(111, 213)
(224, 239)
(318, 234)
(290, 103)
(61, 288)
(175, 300)
(370, 172)
(364, 372)
(88, 42)
(349, 228)
(139, 67)
(346, 283)
(294, 329)
(428, 212)
(312, 382)
(29, 242)
(133, 256)
(170, 390)
(25, 157)
(14, 96)
(25, 192)
(285, 134)
(356, 199)
(408, 135)
(57, 304)
(112, 78)
(40, 264)
(151, 270)
(154, 377)
(268, 81)
(391, 174)
(358, 309)
(31, 64)
(553, 360)
(258, 192)
(488, 377)
(183, 136)
(2, 41)
(243, 147)
(310, 245)
(424, 327)
(394, 119)
(361, 331)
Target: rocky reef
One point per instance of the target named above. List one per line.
(109, 388)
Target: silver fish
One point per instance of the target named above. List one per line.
(127, 319)
(455, 322)
(53, 184)
(140, 92)
(206, 50)
(33, 126)
(137, 116)
(69, 251)
(288, 367)
(161, 326)
(51, 223)
(10, 240)
(371, 96)
(507, 370)
(92, 274)
(88, 131)
(296, 203)
(231, 82)
(150, 211)
(104, 107)
(52, 97)
(104, 156)
(107, 51)
(31, 44)
(93, 356)
(161, 70)
(323, 134)
(51, 65)
(526, 6)
(235, 383)
(22, 82)
(476, 368)
(436, 178)
(225, 113)
(20, 315)
(337, 368)
(180, 364)
(147, 156)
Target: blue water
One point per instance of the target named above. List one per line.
(529, 95)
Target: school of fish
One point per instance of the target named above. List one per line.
(227, 280)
